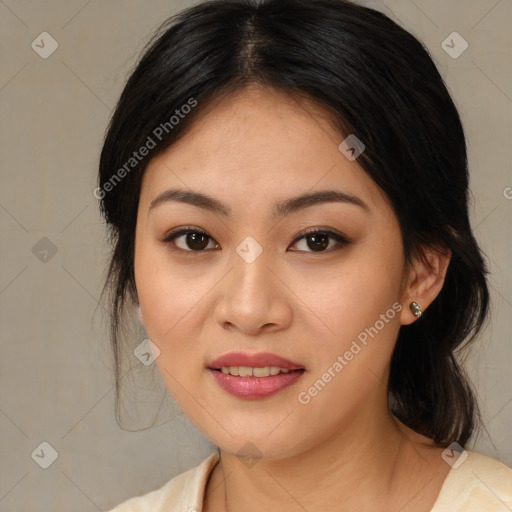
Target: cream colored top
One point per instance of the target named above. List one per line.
(479, 484)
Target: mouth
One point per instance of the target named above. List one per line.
(254, 376)
(258, 372)
(259, 362)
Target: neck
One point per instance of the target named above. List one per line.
(362, 467)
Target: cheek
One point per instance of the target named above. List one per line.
(359, 312)
(349, 296)
(167, 291)
(170, 300)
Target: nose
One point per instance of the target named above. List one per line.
(253, 298)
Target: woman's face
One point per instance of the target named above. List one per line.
(256, 284)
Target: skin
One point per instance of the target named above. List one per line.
(344, 447)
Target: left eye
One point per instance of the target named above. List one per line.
(318, 240)
(196, 240)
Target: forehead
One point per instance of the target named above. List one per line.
(261, 141)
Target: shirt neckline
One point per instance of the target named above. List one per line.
(448, 484)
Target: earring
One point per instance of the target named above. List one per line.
(416, 309)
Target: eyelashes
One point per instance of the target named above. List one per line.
(187, 232)
(197, 241)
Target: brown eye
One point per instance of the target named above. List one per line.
(189, 240)
(318, 240)
(193, 240)
(196, 241)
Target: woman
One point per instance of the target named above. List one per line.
(286, 185)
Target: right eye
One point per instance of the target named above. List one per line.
(188, 239)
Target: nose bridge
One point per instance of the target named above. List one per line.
(251, 272)
(251, 297)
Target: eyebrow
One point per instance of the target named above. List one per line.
(280, 209)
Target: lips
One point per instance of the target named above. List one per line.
(260, 360)
(227, 372)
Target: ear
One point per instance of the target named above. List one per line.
(424, 281)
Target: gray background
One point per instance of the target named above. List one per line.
(56, 382)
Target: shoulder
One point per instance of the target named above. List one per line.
(182, 493)
(478, 483)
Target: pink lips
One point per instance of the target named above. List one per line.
(254, 360)
(254, 387)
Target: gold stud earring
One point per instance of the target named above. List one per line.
(416, 309)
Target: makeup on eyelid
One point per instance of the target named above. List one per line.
(340, 240)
